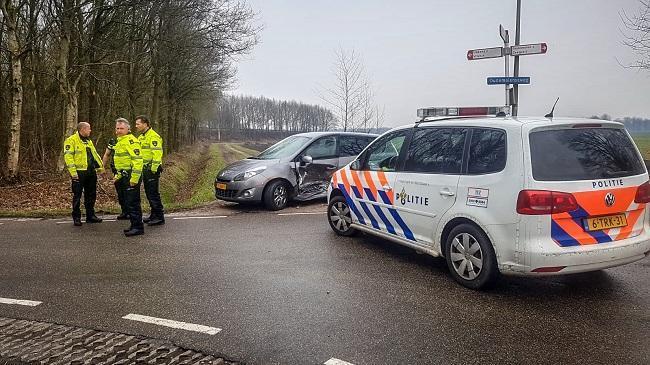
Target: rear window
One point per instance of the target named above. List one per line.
(583, 154)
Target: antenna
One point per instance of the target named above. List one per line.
(550, 115)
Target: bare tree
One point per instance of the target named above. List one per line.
(10, 10)
(346, 96)
(637, 34)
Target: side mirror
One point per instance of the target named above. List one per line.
(307, 160)
(355, 165)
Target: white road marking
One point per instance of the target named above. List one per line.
(211, 217)
(105, 220)
(63, 222)
(173, 324)
(1, 223)
(303, 213)
(29, 303)
(334, 361)
(110, 220)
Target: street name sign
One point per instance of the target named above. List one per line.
(482, 53)
(527, 49)
(507, 80)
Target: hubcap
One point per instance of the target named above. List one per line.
(280, 196)
(466, 256)
(340, 216)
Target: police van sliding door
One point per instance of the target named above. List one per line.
(372, 185)
(427, 185)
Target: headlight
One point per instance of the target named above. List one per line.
(250, 173)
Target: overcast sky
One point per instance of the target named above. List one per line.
(414, 52)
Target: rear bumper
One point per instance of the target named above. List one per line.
(582, 258)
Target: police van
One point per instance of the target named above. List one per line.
(500, 195)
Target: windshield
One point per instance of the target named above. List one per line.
(583, 154)
(285, 148)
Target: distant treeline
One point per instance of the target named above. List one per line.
(632, 124)
(260, 113)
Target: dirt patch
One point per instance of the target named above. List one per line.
(184, 192)
(53, 192)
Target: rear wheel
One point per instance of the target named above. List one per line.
(471, 258)
(340, 217)
(276, 195)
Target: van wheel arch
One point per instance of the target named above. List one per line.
(456, 222)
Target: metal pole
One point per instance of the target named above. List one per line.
(515, 103)
(507, 67)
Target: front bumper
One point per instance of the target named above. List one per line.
(241, 191)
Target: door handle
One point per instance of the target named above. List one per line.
(446, 192)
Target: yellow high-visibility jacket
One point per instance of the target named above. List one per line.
(152, 149)
(75, 155)
(127, 157)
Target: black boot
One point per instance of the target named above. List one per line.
(76, 221)
(134, 232)
(93, 219)
(122, 217)
(147, 220)
(156, 221)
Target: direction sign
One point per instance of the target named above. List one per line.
(478, 54)
(526, 49)
(504, 34)
(507, 80)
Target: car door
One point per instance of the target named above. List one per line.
(427, 185)
(350, 147)
(372, 185)
(314, 177)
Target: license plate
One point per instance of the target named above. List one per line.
(607, 222)
(222, 186)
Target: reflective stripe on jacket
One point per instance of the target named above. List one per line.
(75, 155)
(127, 156)
(152, 148)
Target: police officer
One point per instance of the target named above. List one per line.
(83, 164)
(107, 160)
(128, 163)
(152, 153)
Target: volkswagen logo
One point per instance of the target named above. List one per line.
(609, 199)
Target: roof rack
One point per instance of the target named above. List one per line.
(452, 112)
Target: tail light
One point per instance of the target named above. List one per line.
(643, 193)
(538, 202)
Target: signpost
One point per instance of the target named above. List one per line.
(508, 80)
(483, 53)
(508, 51)
(527, 49)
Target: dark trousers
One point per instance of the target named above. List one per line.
(87, 184)
(132, 200)
(121, 196)
(151, 186)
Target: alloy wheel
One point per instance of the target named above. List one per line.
(466, 256)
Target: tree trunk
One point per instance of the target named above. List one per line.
(13, 156)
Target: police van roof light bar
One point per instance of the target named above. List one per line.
(462, 111)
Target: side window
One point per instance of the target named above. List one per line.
(436, 150)
(384, 153)
(352, 145)
(487, 153)
(322, 148)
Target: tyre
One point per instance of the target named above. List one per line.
(340, 217)
(471, 258)
(276, 195)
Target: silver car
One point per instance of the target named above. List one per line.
(297, 168)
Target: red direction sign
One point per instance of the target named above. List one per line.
(527, 49)
(482, 53)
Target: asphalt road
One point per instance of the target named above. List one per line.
(285, 289)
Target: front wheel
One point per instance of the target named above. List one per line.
(471, 258)
(276, 195)
(340, 217)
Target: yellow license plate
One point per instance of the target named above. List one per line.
(606, 222)
(221, 186)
